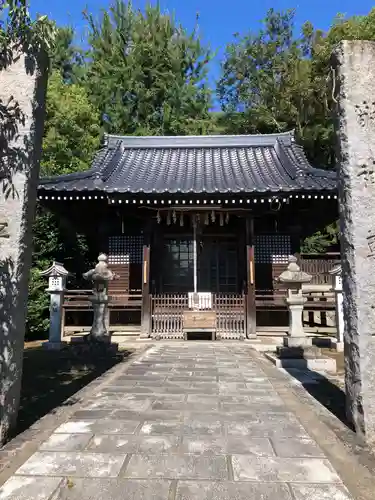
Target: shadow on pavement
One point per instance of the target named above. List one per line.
(50, 377)
(325, 391)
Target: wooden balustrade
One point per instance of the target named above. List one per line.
(166, 312)
(167, 315)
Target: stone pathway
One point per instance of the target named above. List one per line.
(186, 421)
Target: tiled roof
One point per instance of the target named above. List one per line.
(203, 164)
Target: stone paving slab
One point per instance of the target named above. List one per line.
(66, 442)
(72, 464)
(275, 469)
(27, 488)
(113, 490)
(203, 445)
(175, 467)
(185, 421)
(231, 491)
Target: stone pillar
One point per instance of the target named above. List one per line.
(355, 83)
(336, 272)
(20, 153)
(57, 275)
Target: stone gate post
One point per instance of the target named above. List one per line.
(354, 62)
(20, 151)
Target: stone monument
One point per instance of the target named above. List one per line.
(22, 87)
(354, 91)
(100, 276)
(57, 275)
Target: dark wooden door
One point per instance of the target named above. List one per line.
(218, 260)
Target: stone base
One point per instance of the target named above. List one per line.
(54, 346)
(297, 341)
(298, 352)
(319, 364)
(96, 348)
(78, 339)
(339, 346)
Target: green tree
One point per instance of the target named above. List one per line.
(66, 58)
(267, 83)
(71, 138)
(33, 38)
(72, 129)
(274, 81)
(147, 73)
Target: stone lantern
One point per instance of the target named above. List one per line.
(293, 278)
(336, 273)
(100, 277)
(57, 275)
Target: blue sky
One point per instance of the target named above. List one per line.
(219, 19)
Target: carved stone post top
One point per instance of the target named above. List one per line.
(336, 270)
(57, 275)
(55, 270)
(336, 273)
(101, 273)
(293, 274)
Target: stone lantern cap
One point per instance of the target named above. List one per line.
(293, 273)
(57, 270)
(336, 271)
(101, 272)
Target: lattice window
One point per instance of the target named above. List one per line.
(55, 282)
(125, 250)
(272, 248)
(178, 265)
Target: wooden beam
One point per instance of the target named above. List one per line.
(250, 280)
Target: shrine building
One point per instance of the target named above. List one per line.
(195, 223)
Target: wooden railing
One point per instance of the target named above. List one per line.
(319, 267)
(80, 299)
(167, 315)
(77, 308)
(167, 311)
(319, 309)
(230, 312)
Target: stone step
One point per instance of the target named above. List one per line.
(319, 364)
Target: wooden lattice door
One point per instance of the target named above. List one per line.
(218, 265)
(271, 258)
(125, 259)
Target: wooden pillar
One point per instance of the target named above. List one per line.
(146, 299)
(250, 280)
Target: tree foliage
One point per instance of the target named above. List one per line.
(274, 81)
(147, 73)
(66, 57)
(71, 138)
(20, 33)
(72, 129)
(268, 84)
